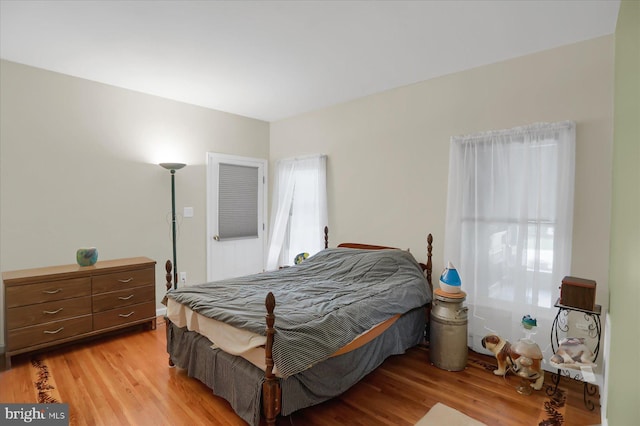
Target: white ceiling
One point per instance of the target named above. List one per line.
(275, 59)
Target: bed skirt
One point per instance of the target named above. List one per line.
(240, 382)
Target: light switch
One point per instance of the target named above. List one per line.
(188, 212)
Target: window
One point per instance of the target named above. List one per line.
(237, 201)
(509, 225)
(299, 212)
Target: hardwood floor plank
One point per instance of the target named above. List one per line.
(124, 379)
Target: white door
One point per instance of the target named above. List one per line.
(236, 214)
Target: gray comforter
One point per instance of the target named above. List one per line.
(321, 304)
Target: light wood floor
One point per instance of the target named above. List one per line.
(124, 380)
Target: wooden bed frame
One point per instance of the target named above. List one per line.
(271, 389)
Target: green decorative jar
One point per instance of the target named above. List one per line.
(87, 256)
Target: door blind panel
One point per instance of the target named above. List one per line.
(237, 201)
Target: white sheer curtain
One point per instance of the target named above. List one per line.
(509, 226)
(299, 209)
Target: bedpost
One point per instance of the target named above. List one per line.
(168, 266)
(427, 309)
(429, 264)
(271, 387)
(326, 237)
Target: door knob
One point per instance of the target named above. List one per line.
(216, 237)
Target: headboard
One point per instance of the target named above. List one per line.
(426, 268)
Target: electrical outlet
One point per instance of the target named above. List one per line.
(183, 278)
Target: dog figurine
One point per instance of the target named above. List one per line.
(573, 352)
(524, 358)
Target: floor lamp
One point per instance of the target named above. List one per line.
(172, 167)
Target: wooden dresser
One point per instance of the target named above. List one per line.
(48, 306)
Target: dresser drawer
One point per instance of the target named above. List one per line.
(123, 280)
(49, 332)
(116, 299)
(46, 312)
(124, 315)
(49, 291)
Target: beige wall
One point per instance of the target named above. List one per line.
(623, 397)
(78, 167)
(388, 153)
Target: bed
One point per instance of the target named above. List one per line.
(340, 313)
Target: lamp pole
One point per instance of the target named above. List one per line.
(173, 227)
(172, 167)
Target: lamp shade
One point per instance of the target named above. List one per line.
(450, 280)
(172, 166)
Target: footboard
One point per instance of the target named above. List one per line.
(271, 390)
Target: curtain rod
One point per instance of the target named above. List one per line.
(517, 130)
(304, 157)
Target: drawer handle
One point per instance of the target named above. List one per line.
(54, 332)
(126, 315)
(52, 312)
(128, 280)
(125, 298)
(52, 291)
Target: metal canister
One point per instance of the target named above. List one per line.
(448, 331)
